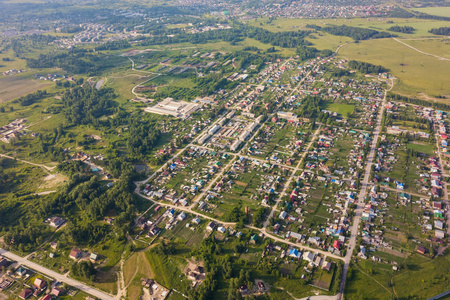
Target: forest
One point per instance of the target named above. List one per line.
(84, 105)
(440, 31)
(357, 33)
(366, 68)
(402, 29)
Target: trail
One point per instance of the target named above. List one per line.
(420, 51)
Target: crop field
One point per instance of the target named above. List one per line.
(14, 87)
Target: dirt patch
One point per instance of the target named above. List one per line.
(240, 183)
(53, 181)
(393, 252)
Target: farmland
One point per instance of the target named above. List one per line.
(15, 87)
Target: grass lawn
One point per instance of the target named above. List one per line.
(340, 108)
(424, 148)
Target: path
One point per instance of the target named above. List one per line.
(420, 51)
(59, 277)
(28, 162)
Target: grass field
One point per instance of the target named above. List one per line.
(421, 25)
(13, 87)
(419, 74)
(437, 11)
(340, 108)
(424, 148)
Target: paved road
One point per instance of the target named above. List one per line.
(59, 277)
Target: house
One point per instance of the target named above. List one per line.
(93, 257)
(439, 234)
(47, 297)
(197, 220)
(181, 216)
(404, 197)
(421, 249)
(25, 294)
(309, 256)
(3, 262)
(54, 245)
(253, 239)
(283, 215)
(57, 222)
(243, 288)
(326, 265)
(221, 229)
(21, 271)
(40, 283)
(439, 224)
(56, 292)
(337, 244)
(295, 253)
(211, 226)
(75, 254)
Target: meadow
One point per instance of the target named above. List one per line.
(436, 11)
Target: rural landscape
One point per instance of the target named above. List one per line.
(228, 150)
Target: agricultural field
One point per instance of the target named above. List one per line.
(13, 87)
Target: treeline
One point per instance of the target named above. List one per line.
(84, 269)
(402, 29)
(366, 68)
(73, 62)
(84, 105)
(113, 45)
(32, 98)
(440, 31)
(76, 61)
(310, 52)
(357, 33)
(288, 39)
(435, 105)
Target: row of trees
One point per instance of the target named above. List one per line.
(31, 98)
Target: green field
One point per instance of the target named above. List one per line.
(437, 11)
(425, 148)
(340, 108)
(420, 73)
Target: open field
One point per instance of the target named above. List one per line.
(437, 11)
(421, 25)
(420, 73)
(13, 87)
(340, 108)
